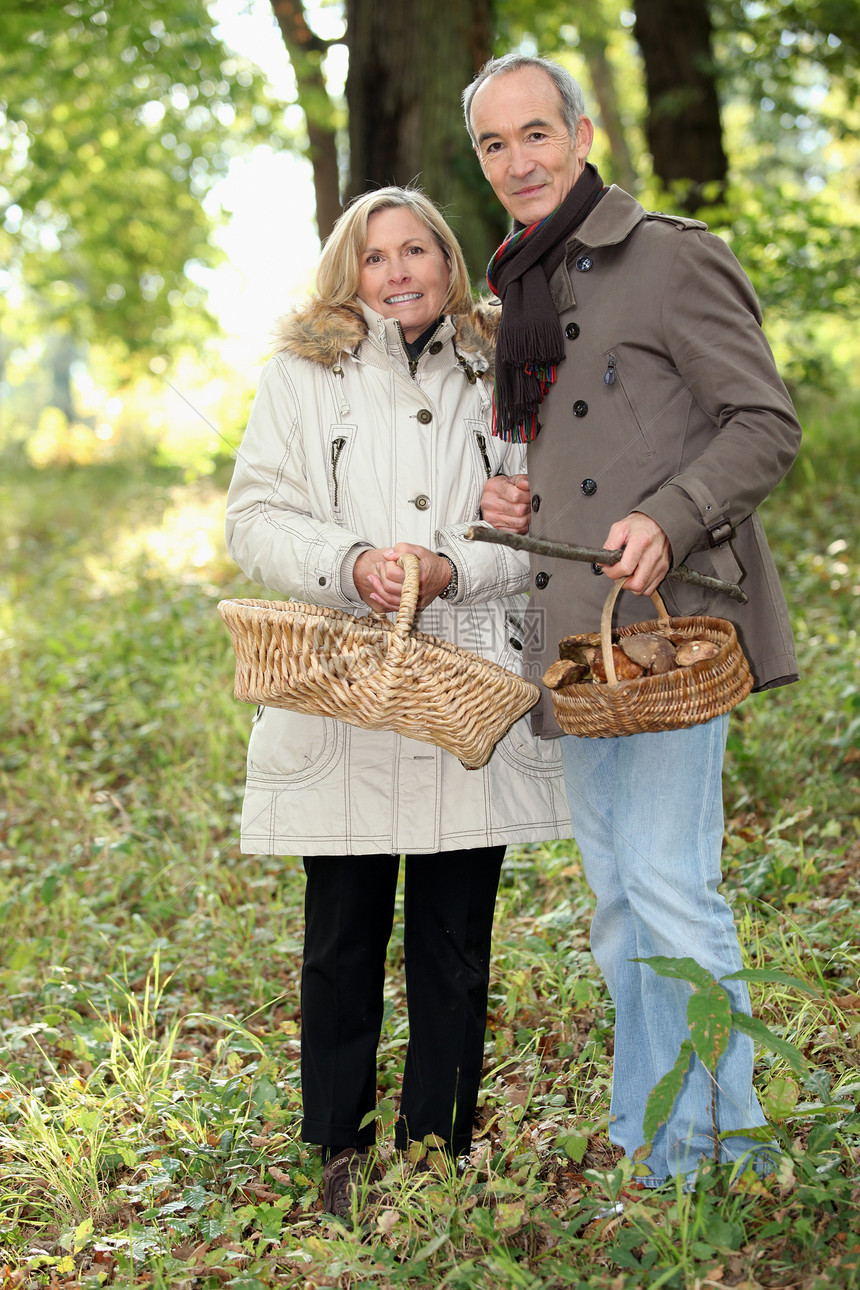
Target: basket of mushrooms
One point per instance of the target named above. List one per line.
(663, 674)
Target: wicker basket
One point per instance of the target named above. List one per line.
(375, 674)
(683, 697)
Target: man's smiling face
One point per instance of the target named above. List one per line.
(523, 142)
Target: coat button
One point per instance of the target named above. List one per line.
(322, 581)
(436, 347)
(425, 416)
(597, 569)
(572, 330)
(422, 501)
(536, 502)
(584, 263)
(580, 408)
(588, 487)
(541, 580)
(514, 643)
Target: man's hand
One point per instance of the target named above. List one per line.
(647, 555)
(506, 503)
(379, 578)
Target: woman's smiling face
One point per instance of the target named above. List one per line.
(404, 274)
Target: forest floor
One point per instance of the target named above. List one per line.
(150, 1093)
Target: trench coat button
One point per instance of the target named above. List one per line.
(436, 347)
(589, 487)
(322, 581)
(572, 330)
(536, 502)
(422, 501)
(584, 263)
(541, 580)
(425, 416)
(596, 568)
(514, 643)
(580, 408)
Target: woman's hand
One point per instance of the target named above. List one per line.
(379, 578)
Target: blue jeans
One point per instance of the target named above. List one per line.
(648, 819)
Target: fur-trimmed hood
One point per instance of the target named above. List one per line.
(323, 333)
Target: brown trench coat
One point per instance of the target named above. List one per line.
(668, 402)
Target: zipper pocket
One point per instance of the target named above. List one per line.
(337, 447)
(482, 448)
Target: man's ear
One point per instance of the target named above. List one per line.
(584, 137)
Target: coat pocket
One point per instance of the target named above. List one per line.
(481, 466)
(292, 748)
(340, 444)
(615, 380)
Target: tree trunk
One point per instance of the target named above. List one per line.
(683, 126)
(602, 76)
(61, 352)
(306, 51)
(408, 66)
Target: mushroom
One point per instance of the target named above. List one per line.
(625, 668)
(563, 672)
(655, 654)
(579, 648)
(695, 651)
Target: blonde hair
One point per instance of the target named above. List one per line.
(338, 274)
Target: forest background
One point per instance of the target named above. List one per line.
(149, 1094)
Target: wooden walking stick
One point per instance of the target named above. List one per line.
(598, 555)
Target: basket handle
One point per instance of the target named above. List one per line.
(410, 564)
(606, 626)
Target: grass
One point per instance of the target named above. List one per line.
(149, 1095)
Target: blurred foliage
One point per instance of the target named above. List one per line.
(791, 125)
(116, 117)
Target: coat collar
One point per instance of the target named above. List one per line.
(611, 222)
(323, 333)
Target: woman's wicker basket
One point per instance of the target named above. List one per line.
(374, 674)
(686, 696)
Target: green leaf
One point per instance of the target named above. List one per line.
(758, 1031)
(662, 1097)
(709, 1016)
(683, 969)
(574, 1145)
(49, 888)
(83, 1232)
(780, 1097)
(384, 1113)
(770, 976)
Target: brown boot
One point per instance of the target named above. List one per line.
(348, 1188)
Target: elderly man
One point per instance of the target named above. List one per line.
(631, 359)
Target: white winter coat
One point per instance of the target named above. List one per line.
(346, 450)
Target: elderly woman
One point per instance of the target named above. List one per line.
(370, 436)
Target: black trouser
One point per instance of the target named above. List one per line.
(448, 918)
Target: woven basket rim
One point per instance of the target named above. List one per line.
(375, 628)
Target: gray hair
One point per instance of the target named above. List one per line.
(570, 91)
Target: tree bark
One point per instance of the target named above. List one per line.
(602, 76)
(683, 125)
(408, 66)
(306, 51)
